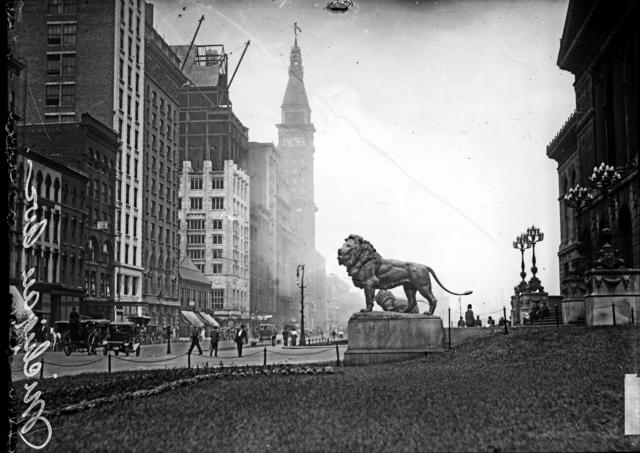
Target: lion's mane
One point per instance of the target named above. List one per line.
(364, 252)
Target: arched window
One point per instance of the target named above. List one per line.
(39, 183)
(56, 190)
(47, 187)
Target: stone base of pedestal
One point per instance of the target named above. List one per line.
(600, 310)
(572, 310)
(612, 291)
(376, 337)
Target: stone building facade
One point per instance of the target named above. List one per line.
(89, 57)
(91, 146)
(600, 45)
(214, 232)
(160, 229)
(262, 168)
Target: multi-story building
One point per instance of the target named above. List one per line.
(214, 231)
(209, 130)
(89, 57)
(296, 149)
(160, 232)
(92, 146)
(195, 298)
(262, 167)
(58, 256)
(599, 46)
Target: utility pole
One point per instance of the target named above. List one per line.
(300, 274)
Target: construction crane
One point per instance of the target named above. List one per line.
(246, 45)
(184, 61)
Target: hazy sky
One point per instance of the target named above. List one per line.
(432, 123)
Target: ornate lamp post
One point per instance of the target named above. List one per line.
(533, 236)
(603, 179)
(521, 244)
(300, 275)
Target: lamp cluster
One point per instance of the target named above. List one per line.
(603, 178)
(526, 240)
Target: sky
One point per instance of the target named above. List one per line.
(432, 121)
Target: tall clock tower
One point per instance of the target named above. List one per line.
(295, 146)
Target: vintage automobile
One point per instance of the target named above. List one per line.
(122, 337)
(144, 332)
(86, 337)
(266, 330)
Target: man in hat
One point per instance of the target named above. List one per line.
(241, 338)
(195, 340)
(215, 338)
(469, 318)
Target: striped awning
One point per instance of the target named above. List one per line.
(192, 318)
(209, 319)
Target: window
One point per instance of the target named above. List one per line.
(135, 198)
(196, 183)
(218, 298)
(61, 64)
(126, 225)
(195, 238)
(195, 224)
(216, 254)
(135, 227)
(217, 183)
(217, 238)
(196, 203)
(195, 254)
(126, 194)
(126, 254)
(216, 268)
(217, 224)
(135, 256)
(217, 203)
(61, 7)
(60, 95)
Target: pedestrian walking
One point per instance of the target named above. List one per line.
(215, 338)
(240, 339)
(273, 337)
(195, 340)
(285, 337)
(294, 337)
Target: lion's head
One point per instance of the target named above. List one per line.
(355, 251)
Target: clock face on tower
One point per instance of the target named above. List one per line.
(294, 140)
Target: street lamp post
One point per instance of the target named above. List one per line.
(521, 244)
(300, 275)
(533, 236)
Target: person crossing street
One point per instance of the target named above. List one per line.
(240, 339)
(195, 340)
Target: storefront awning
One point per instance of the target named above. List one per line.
(209, 319)
(192, 318)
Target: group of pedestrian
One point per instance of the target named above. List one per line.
(241, 338)
(286, 334)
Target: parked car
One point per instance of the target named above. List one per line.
(122, 337)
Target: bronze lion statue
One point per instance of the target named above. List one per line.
(370, 271)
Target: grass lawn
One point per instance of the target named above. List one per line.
(544, 389)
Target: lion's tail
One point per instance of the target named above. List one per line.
(466, 293)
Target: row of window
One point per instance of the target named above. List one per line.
(217, 183)
(199, 224)
(48, 267)
(128, 285)
(60, 94)
(199, 239)
(61, 7)
(195, 203)
(61, 34)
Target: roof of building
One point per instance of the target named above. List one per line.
(189, 271)
(295, 95)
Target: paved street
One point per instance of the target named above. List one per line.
(155, 356)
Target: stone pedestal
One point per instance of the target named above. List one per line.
(612, 290)
(378, 336)
(572, 310)
(525, 302)
(573, 289)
